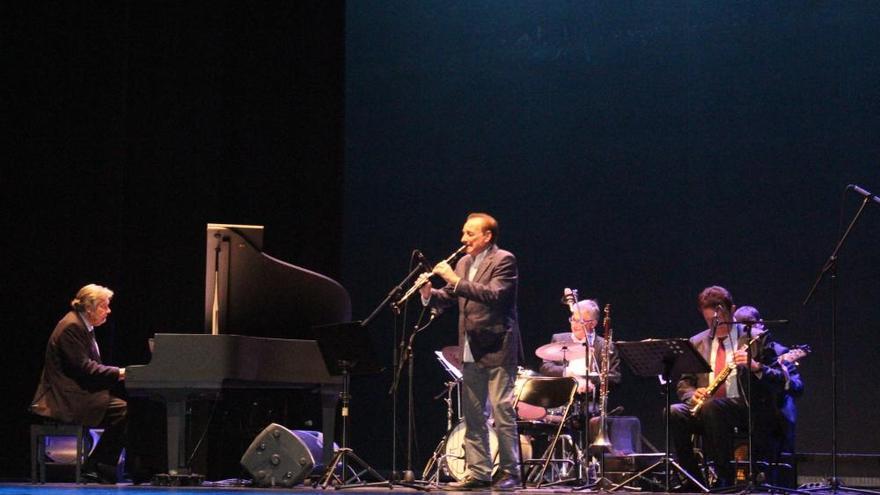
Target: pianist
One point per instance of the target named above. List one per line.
(75, 387)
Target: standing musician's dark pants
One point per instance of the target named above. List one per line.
(496, 384)
(114, 437)
(715, 422)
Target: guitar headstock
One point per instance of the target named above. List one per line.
(795, 353)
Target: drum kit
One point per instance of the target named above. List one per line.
(449, 461)
(449, 457)
(561, 351)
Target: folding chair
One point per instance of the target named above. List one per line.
(548, 392)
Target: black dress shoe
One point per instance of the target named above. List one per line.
(140, 478)
(507, 482)
(98, 472)
(468, 483)
(94, 477)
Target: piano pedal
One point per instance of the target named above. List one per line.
(178, 479)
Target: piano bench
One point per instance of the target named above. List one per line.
(41, 457)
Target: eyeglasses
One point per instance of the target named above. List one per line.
(576, 320)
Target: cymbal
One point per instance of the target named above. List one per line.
(452, 354)
(557, 351)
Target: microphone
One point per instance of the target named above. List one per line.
(568, 298)
(864, 193)
(715, 320)
(421, 257)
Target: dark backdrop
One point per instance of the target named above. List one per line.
(135, 124)
(637, 152)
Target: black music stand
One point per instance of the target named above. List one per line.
(670, 358)
(347, 350)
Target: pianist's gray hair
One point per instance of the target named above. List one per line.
(89, 296)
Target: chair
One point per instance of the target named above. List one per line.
(548, 392)
(39, 456)
(770, 459)
(775, 461)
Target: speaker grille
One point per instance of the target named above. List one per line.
(282, 457)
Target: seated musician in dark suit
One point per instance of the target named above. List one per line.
(75, 387)
(583, 321)
(793, 388)
(724, 410)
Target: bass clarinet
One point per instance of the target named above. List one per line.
(602, 443)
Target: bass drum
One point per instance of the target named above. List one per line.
(456, 466)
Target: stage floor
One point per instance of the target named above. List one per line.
(129, 489)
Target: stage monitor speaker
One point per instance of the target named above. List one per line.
(282, 457)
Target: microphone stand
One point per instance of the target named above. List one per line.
(834, 484)
(751, 487)
(584, 464)
(585, 411)
(407, 356)
(392, 295)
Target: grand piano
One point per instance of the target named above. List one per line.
(253, 304)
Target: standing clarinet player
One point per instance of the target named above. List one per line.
(484, 284)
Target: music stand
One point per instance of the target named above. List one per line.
(669, 358)
(347, 350)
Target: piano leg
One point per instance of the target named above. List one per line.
(176, 435)
(329, 399)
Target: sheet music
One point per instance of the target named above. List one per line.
(452, 370)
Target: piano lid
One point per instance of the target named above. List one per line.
(248, 292)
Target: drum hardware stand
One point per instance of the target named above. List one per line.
(585, 451)
(581, 454)
(669, 358)
(344, 360)
(431, 473)
(833, 484)
(601, 483)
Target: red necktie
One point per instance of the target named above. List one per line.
(720, 364)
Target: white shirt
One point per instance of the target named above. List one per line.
(91, 329)
(729, 348)
(578, 366)
(472, 272)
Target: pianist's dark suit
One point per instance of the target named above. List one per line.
(75, 387)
